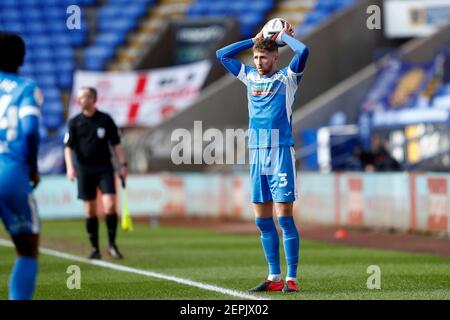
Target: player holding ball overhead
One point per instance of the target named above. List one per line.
(271, 94)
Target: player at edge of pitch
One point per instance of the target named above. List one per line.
(271, 94)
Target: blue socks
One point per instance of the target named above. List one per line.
(270, 243)
(291, 242)
(23, 279)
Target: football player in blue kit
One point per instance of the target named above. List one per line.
(271, 94)
(20, 100)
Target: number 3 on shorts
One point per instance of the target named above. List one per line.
(283, 181)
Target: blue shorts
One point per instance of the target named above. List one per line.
(273, 175)
(19, 214)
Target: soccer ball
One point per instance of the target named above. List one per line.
(272, 27)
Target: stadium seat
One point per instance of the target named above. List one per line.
(110, 38)
(97, 56)
(45, 80)
(11, 13)
(65, 79)
(8, 4)
(53, 120)
(248, 20)
(14, 27)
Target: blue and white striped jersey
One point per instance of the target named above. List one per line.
(20, 100)
(270, 98)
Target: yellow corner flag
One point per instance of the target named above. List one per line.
(127, 222)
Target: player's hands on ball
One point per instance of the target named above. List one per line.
(288, 29)
(71, 174)
(259, 36)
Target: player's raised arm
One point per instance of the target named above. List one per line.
(301, 51)
(226, 55)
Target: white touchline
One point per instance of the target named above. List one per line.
(118, 267)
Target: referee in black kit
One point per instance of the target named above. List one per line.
(90, 135)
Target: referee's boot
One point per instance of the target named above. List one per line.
(95, 254)
(114, 252)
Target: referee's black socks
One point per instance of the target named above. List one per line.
(111, 224)
(92, 230)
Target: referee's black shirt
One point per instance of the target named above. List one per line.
(90, 138)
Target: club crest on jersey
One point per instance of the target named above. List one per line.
(101, 133)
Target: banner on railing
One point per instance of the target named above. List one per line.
(143, 98)
(399, 201)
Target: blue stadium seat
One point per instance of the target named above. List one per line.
(50, 106)
(63, 53)
(61, 133)
(55, 13)
(65, 65)
(78, 37)
(219, 9)
(43, 132)
(11, 13)
(45, 80)
(261, 6)
(116, 25)
(109, 12)
(8, 4)
(249, 22)
(196, 11)
(248, 19)
(65, 79)
(53, 120)
(97, 56)
(239, 7)
(28, 3)
(57, 25)
(41, 54)
(51, 94)
(38, 41)
(14, 27)
(33, 14)
(35, 27)
(54, 3)
(110, 38)
(147, 2)
(27, 68)
(61, 41)
(134, 11)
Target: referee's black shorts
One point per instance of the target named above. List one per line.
(91, 177)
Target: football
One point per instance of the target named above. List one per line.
(272, 27)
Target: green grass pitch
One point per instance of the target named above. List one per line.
(226, 260)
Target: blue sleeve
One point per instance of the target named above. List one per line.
(226, 55)
(30, 130)
(29, 120)
(301, 51)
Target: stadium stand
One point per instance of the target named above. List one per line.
(428, 56)
(53, 49)
(50, 58)
(144, 37)
(115, 36)
(115, 21)
(224, 99)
